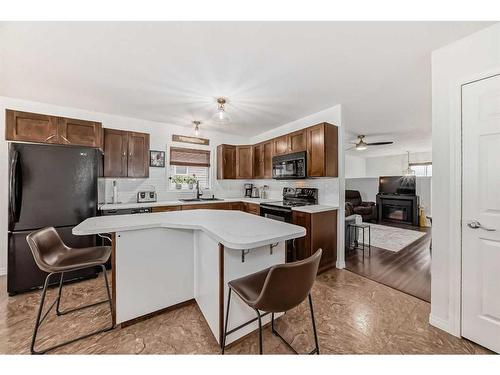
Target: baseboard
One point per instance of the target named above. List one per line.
(442, 324)
(340, 265)
(3, 271)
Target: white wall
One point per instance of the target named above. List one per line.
(160, 136)
(474, 57)
(355, 166)
(393, 165)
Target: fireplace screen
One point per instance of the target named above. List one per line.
(393, 212)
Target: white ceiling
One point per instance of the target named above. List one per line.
(272, 72)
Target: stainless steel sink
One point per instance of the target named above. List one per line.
(211, 199)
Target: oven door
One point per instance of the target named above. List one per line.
(291, 166)
(280, 214)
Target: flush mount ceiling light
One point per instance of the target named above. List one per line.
(221, 115)
(196, 127)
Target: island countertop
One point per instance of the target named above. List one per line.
(233, 229)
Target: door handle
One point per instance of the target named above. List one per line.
(474, 224)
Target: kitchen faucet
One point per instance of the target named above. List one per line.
(198, 192)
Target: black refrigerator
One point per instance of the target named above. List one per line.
(49, 185)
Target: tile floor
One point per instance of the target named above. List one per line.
(354, 315)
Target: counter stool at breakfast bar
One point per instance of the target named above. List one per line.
(53, 256)
(270, 291)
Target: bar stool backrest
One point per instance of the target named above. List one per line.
(46, 246)
(287, 285)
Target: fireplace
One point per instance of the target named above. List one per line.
(398, 208)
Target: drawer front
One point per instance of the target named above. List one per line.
(166, 208)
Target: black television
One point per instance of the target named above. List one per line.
(401, 185)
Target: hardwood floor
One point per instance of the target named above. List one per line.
(408, 270)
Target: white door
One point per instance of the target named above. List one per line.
(481, 212)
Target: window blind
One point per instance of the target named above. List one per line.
(189, 157)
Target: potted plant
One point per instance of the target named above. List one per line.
(178, 181)
(191, 180)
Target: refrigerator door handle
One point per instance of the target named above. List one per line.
(15, 191)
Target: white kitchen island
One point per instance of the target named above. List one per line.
(164, 259)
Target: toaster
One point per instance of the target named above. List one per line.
(146, 196)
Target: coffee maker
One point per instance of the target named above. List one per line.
(248, 190)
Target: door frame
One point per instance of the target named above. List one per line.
(454, 324)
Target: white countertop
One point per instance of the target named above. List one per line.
(309, 209)
(234, 229)
(315, 208)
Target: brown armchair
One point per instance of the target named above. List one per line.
(367, 210)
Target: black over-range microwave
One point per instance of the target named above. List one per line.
(290, 166)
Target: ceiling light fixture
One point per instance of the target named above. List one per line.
(408, 171)
(197, 127)
(221, 116)
(361, 145)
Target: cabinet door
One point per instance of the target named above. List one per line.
(297, 141)
(267, 160)
(324, 236)
(302, 245)
(166, 208)
(30, 127)
(252, 208)
(138, 155)
(226, 162)
(316, 151)
(258, 162)
(280, 145)
(244, 162)
(115, 153)
(80, 132)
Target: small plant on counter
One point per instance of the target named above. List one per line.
(191, 180)
(178, 181)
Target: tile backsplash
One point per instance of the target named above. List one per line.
(128, 188)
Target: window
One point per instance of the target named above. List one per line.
(422, 169)
(186, 162)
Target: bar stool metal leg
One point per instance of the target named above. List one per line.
(260, 331)
(314, 326)
(223, 344)
(40, 318)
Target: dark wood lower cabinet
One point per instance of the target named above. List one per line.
(321, 233)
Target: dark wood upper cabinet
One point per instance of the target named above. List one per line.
(297, 141)
(226, 162)
(244, 161)
(267, 159)
(280, 145)
(126, 154)
(34, 127)
(80, 132)
(322, 150)
(321, 230)
(138, 155)
(258, 161)
(30, 127)
(115, 153)
(319, 141)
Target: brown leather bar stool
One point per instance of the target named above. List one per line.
(53, 256)
(271, 291)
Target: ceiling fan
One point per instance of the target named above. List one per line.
(361, 145)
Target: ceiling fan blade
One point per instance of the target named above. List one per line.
(350, 148)
(380, 143)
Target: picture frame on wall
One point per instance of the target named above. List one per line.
(157, 159)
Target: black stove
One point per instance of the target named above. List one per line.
(282, 210)
(294, 197)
